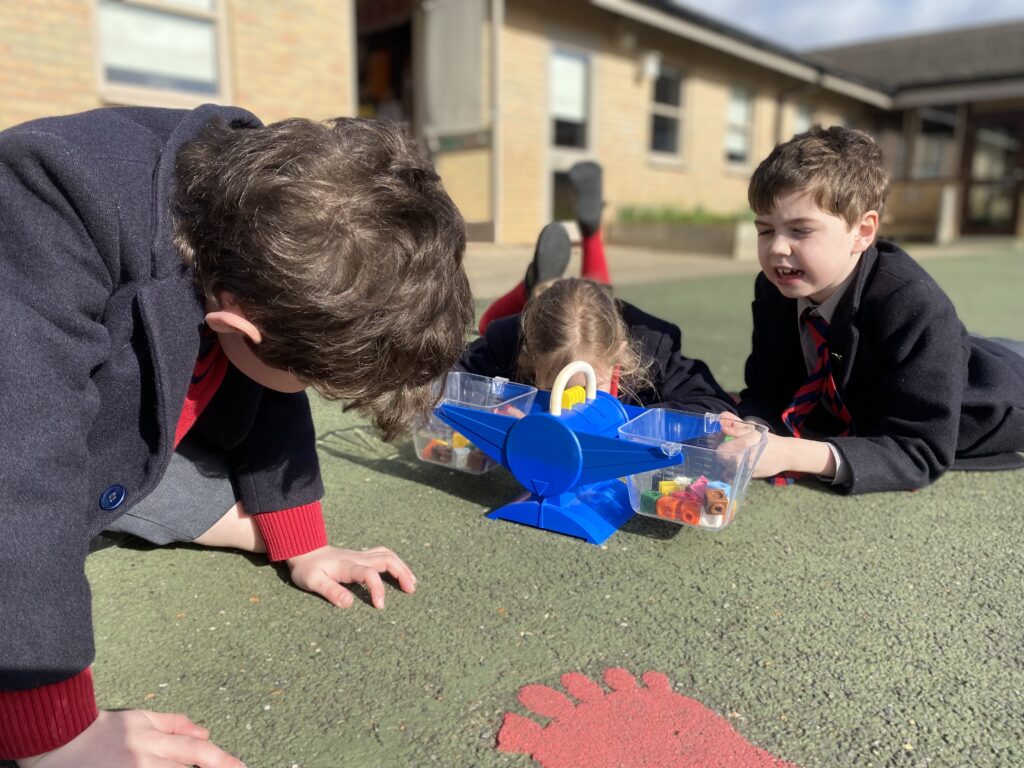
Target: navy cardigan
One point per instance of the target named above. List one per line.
(925, 396)
(102, 329)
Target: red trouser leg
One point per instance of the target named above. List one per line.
(594, 265)
(511, 303)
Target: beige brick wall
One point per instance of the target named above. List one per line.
(621, 117)
(523, 115)
(466, 175)
(46, 54)
(284, 59)
(292, 59)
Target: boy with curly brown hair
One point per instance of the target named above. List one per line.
(859, 361)
(171, 282)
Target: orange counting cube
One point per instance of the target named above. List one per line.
(666, 507)
(689, 511)
(680, 508)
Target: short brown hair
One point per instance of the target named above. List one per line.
(840, 167)
(343, 249)
(577, 319)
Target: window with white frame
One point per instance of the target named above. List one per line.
(739, 120)
(569, 98)
(803, 118)
(161, 50)
(667, 112)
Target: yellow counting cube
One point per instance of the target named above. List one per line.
(665, 487)
(459, 440)
(573, 396)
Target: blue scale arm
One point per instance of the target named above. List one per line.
(487, 431)
(605, 458)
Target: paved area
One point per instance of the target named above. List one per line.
(820, 630)
(494, 269)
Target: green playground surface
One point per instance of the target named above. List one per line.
(880, 630)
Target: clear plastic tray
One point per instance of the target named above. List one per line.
(437, 443)
(706, 489)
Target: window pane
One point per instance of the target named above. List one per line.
(995, 152)
(194, 5)
(990, 206)
(740, 104)
(568, 134)
(736, 144)
(665, 134)
(668, 87)
(567, 87)
(935, 154)
(802, 119)
(152, 48)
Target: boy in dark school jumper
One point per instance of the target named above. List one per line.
(859, 361)
(170, 283)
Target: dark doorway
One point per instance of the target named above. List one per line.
(384, 32)
(993, 173)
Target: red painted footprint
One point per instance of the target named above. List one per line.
(629, 727)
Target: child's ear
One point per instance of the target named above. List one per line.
(225, 315)
(867, 228)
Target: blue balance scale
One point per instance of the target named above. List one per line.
(570, 460)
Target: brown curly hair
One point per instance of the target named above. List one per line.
(576, 319)
(341, 246)
(840, 167)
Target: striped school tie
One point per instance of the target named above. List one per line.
(820, 386)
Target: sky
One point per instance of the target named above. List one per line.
(804, 24)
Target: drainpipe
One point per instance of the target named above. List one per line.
(497, 24)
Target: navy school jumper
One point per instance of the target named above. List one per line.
(101, 332)
(925, 396)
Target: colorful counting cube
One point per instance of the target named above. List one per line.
(573, 396)
(717, 507)
(459, 440)
(681, 510)
(428, 449)
(477, 460)
(665, 487)
(666, 507)
(723, 487)
(649, 502)
(689, 511)
(688, 496)
(440, 452)
(715, 494)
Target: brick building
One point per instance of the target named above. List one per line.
(508, 94)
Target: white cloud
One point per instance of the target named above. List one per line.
(803, 24)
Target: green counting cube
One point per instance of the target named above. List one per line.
(649, 501)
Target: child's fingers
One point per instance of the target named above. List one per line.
(732, 425)
(402, 572)
(175, 723)
(332, 591)
(386, 561)
(374, 585)
(188, 751)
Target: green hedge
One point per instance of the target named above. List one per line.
(632, 214)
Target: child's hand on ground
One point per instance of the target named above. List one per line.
(324, 570)
(139, 739)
